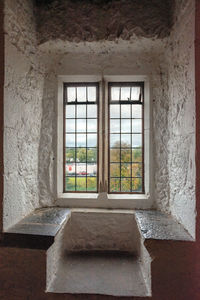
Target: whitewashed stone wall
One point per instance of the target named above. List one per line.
(23, 111)
(181, 115)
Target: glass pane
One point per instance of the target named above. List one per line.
(125, 93)
(126, 126)
(135, 93)
(81, 125)
(126, 155)
(114, 185)
(114, 125)
(115, 155)
(114, 170)
(91, 93)
(71, 94)
(91, 155)
(136, 140)
(69, 125)
(70, 111)
(115, 91)
(70, 184)
(114, 140)
(92, 111)
(136, 170)
(125, 140)
(137, 185)
(81, 184)
(137, 111)
(70, 140)
(137, 125)
(70, 169)
(81, 94)
(137, 155)
(92, 125)
(70, 155)
(115, 111)
(125, 170)
(81, 140)
(81, 169)
(126, 185)
(91, 140)
(81, 155)
(125, 111)
(81, 111)
(92, 184)
(91, 169)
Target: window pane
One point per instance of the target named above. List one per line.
(81, 111)
(70, 169)
(91, 140)
(115, 155)
(114, 140)
(81, 140)
(126, 126)
(92, 111)
(92, 184)
(136, 140)
(126, 185)
(115, 125)
(91, 93)
(71, 94)
(125, 140)
(135, 93)
(125, 111)
(92, 125)
(81, 94)
(70, 140)
(125, 170)
(81, 155)
(69, 111)
(70, 155)
(126, 155)
(137, 155)
(137, 185)
(137, 111)
(69, 125)
(137, 125)
(125, 93)
(81, 125)
(115, 91)
(91, 155)
(81, 184)
(114, 170)
(81, 169)
(115, 111)
(70, 184)
(114, 185)
(91, 169)
(136, 170)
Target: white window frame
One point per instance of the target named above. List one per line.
(102, 199)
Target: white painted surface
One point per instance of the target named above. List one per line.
(95, 251)
(23, 112)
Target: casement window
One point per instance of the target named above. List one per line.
(103, 137)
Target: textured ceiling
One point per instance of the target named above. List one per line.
(96, 20)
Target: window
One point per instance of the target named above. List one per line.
(104, 148)
(126, 137)
(80, 137)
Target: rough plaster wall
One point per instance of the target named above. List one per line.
(181, 116)
(102, 20)
(23, 94)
